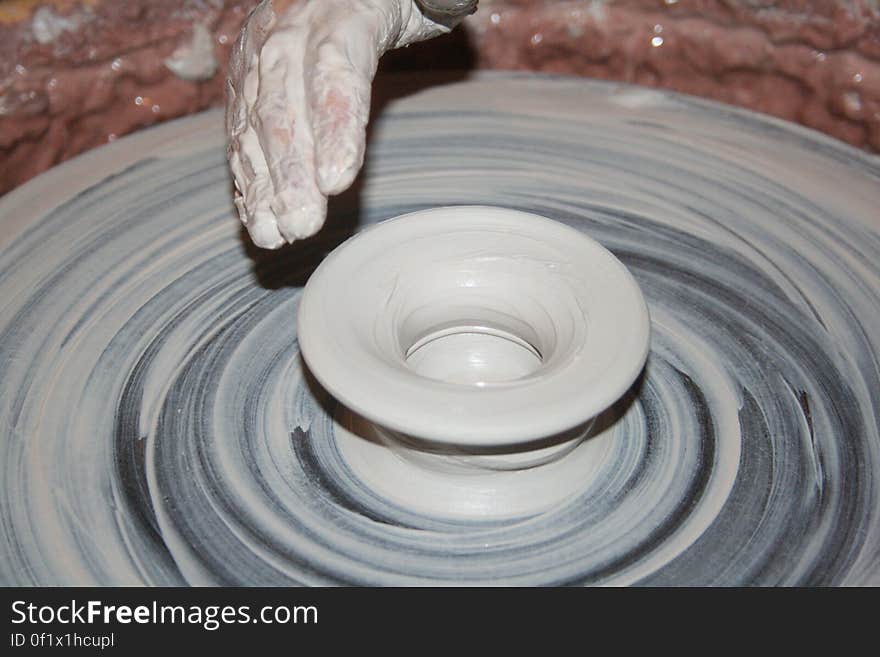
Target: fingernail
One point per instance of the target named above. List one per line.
(264, 233)
(338, 170)
(297, 219)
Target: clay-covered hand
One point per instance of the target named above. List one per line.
(298, 100)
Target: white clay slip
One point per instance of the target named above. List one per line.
(416, 282)
(488, 338)
(157, 425)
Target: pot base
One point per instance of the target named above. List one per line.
(459, 482)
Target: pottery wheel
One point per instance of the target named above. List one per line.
(158, 426)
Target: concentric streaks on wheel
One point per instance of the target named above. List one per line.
(158, 427)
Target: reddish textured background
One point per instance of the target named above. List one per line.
(101, 74)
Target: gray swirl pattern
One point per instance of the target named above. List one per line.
(158, 426)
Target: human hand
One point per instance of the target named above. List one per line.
(299, 97)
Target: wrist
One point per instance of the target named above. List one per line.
(423, 19)
(442, 10)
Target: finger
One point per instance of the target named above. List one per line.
(281, 124)
(254, 203)
(339, 107)
(238, 102)
(254, 188)
(249, 169)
